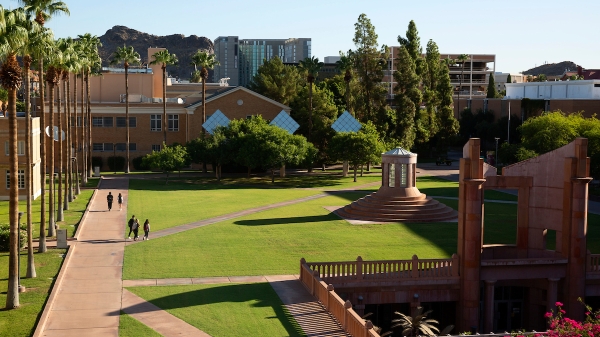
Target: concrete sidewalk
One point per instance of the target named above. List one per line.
(86, 297)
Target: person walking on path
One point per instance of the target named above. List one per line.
(120, 201)
(130, 224)
(136, 228)
(109, 199)
(146, 229)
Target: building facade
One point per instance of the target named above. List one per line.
(240, 58)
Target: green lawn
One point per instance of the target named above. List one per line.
(224, 310)
(182, 202)
(131, 327)
(21, 322)
(434, 186)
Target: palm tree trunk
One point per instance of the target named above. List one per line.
(68, 146)
(12, 293)
(126, 118)
(164, 69)
(84, 170)
(203, 134)
(59, 207)
(51, 165)
(310, 109)
(89, 119)
(42, 244)
(75, 154)
(28, 165)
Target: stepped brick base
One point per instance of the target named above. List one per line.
(378, 208)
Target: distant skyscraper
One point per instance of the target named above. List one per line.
(240, 59)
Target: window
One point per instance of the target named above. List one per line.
(392, 175)
(20, 148)
(108, 122)
(121, 122)
(79, 121)
(155, 123)
(403, 172)
(97, 121)
(132, 147)
(120, 147)
(98, 147)
(156, 148)
(108, 146)
(173, 123)
(20, 181)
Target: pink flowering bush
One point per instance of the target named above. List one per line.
(562, 326)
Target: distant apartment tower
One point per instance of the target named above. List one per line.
(470, 81)
(240, 58)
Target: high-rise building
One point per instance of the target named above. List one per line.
(240, 58)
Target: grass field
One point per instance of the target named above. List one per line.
(21, 322)
(225, 310)
(131, 327)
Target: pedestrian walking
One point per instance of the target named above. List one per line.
(130, 223)
(109, 199)
(146, 229)
(136, 228)
(120, 201)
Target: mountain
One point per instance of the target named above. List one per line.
(183, 47)
(552, 69)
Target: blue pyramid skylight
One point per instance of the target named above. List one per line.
(214, 121)
(346, 123)
(284, 121)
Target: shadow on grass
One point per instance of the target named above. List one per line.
(262, 294)
(283, 221)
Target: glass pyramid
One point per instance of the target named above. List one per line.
(346, 123)
(214, 121)
(284, 121)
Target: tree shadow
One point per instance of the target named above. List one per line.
(284, 221)
(262, 294)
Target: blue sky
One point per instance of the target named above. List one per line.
(522, 33)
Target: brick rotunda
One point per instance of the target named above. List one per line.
(398, 199)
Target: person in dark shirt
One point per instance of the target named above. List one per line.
(109, 199)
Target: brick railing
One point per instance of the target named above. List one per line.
(389, 270)
(342, 311)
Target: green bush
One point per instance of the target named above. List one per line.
(5, 237)
(138, 164)
(97, 161)
(116, 163)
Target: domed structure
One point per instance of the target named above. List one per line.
(398, 199)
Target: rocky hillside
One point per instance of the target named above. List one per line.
(552, 69)
(183, 47)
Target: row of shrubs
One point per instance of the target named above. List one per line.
(5, 237)
(118, 163)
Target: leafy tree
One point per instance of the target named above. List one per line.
(550, 131)
(164, 58)
(407, 93)
(357, 148)
(491, 89)
(205, 61)
(345, 65)
(508, 79)
(128, 56)
(412, 43)
(168, 159)
(310, 67)
(448, 125)
(277, 81)
(218, 150)
(541, 78)
(13, 35)
(429, 123)
(462, 58)
(370, 62)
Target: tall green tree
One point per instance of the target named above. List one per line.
(277, 81)
(448, 124)
(491, 89)
(13, 35)
(205, 61)
(406, 94)
(428, 120)
(357, 148)
(412, 43)
(346, 65)
(168, 159)
(43, 10)
(370, 62)
(310, 67)
(128, 56)
(164, 58)
(508, 79)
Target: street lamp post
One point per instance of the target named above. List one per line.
(21, 288)
(115, 157)
(77, 190)
(496, 153)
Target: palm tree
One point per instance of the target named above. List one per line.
(417, 324)
(128, 56)
(205, 61)
(311, 67)
(37, 37)
(43, 10)
(77, 67)
(90, 47)
(52, 77)
(164, 58)
(13, 35)
(345, 64)
(462, 58)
